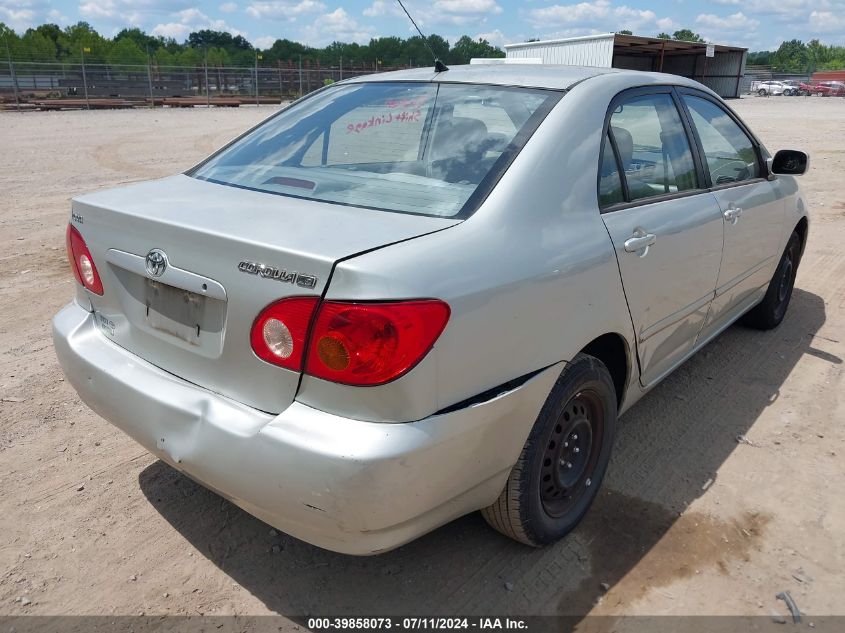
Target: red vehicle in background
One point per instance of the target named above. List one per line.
(823, 88)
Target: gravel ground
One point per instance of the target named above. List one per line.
(691, 520)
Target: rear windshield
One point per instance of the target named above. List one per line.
(423, 148)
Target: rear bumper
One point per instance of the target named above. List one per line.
(349, 486)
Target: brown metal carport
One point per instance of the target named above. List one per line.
(722, 73)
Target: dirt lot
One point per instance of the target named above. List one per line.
(691, 521)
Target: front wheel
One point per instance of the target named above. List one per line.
(768, 314)
(562, 464)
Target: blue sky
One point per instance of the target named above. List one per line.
(757, 24)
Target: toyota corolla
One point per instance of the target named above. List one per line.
(415, 295)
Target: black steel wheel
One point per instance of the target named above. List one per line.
(563, 462)
(571, 455)
(770, 311)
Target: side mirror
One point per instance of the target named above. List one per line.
(790, 162)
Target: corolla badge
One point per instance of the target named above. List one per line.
(278, 274)
(156, 262)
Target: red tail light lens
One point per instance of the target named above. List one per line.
(373, 343)
(81, 261)
(279, 332)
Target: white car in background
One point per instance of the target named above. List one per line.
(765, 88)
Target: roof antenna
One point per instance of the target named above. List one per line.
(439, 66)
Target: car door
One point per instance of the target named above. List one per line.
(750, 203)
(665, 225)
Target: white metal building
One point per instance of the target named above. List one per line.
(721, 70)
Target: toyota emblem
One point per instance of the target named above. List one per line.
(156, 263)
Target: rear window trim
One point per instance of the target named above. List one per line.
(481, 192)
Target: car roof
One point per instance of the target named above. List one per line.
(548, 76)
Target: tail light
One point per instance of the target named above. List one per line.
(81, 262)
(373, 343)
(280, 331)
(362, 344)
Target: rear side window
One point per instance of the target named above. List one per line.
(422, 148)
(652, 146)
(728, 150)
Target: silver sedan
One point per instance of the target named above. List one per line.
(414, 295)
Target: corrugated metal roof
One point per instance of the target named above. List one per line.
(593, 51)
(565, 40)
(626, 44)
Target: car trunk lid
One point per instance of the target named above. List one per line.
(228, 253)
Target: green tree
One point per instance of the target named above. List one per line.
(126, 51)
(189, 57)
(439, 45)
(283, 50)
(141, 39)
(686, 35)
(35, 47)
(759, 58)
(466, 48)
(387, 50)
(218, 57)
(664, 36)
(80, 36)
(818, 55)
(9, 42)
(790, 56)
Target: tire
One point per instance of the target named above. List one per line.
(768, 314)
(761, 92)
(787, 93)
(563, 462)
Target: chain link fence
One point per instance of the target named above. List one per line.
(34, 84)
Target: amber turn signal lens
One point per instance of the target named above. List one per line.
(333, 353)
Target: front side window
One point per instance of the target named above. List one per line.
(420, 148)
(653, 147)
(729, 152)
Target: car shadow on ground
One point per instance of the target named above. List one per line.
(639, 533)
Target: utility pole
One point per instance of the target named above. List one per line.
(300, 75)
(341, 67)
(12, 72)
(281, 90)
(84, 79)
(207, 97)
(150, 78)
(257, 57)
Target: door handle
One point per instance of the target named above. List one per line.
(640, 242)
(732, 213)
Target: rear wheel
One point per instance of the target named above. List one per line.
(563, 462)
(770, 311)
(762, 92)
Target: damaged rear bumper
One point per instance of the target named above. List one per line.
(345, 485)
